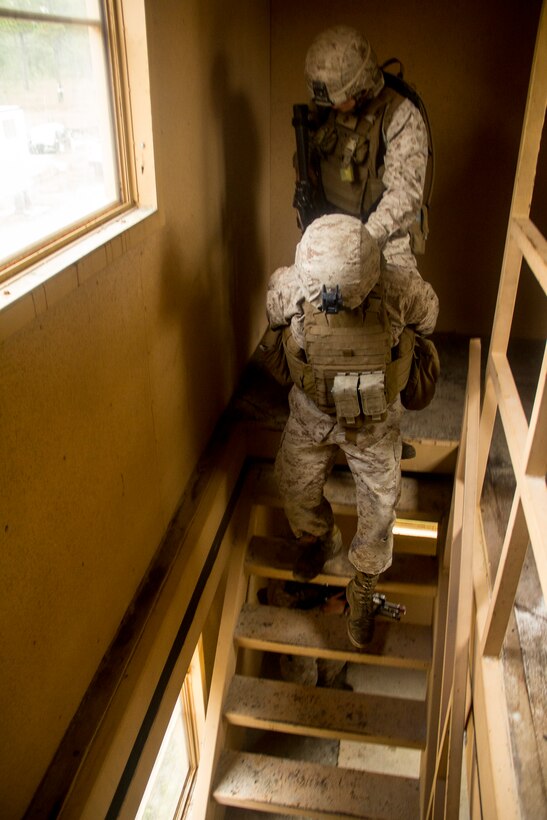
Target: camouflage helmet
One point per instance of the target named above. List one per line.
(340, 64)
(336, 250)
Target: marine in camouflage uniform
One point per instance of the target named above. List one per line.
(370, 150)
(338, 250)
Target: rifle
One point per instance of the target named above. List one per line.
(303, 199)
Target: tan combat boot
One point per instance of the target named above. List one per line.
(359, 594)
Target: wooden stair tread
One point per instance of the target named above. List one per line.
(270, 557)
(312, 633)
(327, 713)
(306, 789)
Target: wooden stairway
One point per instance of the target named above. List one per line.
(253, 711)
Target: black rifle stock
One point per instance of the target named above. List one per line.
(303, 193)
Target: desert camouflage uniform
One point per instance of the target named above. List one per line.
(311, 438)
(405, 164)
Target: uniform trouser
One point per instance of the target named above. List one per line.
(309, 446)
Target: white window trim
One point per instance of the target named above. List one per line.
(40, 284)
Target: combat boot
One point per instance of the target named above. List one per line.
(407, 450)
(360, 623)
(317, 550)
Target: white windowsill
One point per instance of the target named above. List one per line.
(36, 289)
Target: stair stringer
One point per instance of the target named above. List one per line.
(238, 591)
(214, 735)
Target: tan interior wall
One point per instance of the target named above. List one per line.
(471, 62)
(108, 400)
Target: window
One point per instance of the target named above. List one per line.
(63, 136)
(169, 789)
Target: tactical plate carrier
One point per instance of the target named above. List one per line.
(348, 367)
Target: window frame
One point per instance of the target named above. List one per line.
(192, 697)
(87, 247)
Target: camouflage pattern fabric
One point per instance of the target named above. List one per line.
(409, 300)
(309, 446)
(311, 438)
(344, 60)
(405, 165)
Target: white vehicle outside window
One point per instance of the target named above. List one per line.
(63, 160)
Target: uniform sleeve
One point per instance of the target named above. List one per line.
(405, 164)
(283, 298)
(410, 301)
(423, 310)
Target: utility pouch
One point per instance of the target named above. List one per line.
(424, 373)
(373, 395)
(346, 398)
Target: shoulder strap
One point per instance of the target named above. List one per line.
(400, 85)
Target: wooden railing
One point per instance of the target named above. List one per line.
(471, 692)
